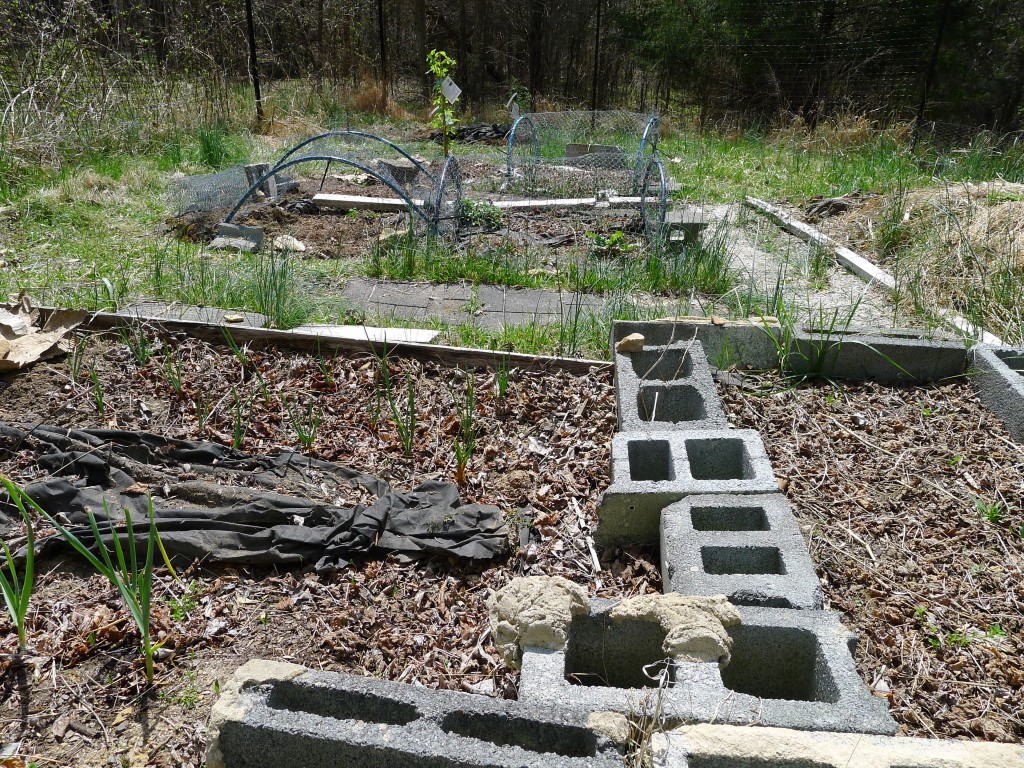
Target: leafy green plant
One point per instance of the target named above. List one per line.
(479, 213)
(611, 246)
(465, 436)
(18, 591)
(182, 607)
(134, 585)
(441, 65)
(991, 511)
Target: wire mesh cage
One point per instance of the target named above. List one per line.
(210, 191)
(653, 202)
(562, 153)
(445, 206)
(383, 158)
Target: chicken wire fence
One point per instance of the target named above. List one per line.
(560, 154)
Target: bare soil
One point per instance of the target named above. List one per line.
(884, 482)
(891, 487)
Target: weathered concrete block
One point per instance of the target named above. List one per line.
(651, 470)
(753, 343)
(999, 380)
(666, 387)
(748, 548)
(729, 746)
(893, 356)
(791, 669)
(269, 715)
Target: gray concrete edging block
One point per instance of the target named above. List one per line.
(729, 746)
(999, 381)
(666, 387)
(753, 342)
(651, 470)
(790, 669)
(891, 356)
(748, 548)
(270, 713)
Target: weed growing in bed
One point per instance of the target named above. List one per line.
(172, 371)
(992, 511)
(305, 421)
(97, 391)
(465, 436)
(133, 336)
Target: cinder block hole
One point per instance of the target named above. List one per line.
(721, 561)
(729, 519)
(650, 460)
(778, 663)
(505, 730)
(614, 655)
(657, 402)
(1014, 360)
(718, 458)
(662, 365)
(341, 705)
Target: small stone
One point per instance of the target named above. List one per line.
(288, 243)
(611, 724)
(717, 320)
(629, 344)
(234, 318)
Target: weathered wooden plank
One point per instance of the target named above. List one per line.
(361, 203)
(542, 205)
(241, 334)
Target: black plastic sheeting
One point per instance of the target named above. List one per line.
(220, 505)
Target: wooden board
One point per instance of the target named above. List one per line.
(241, 334)
(358, 202)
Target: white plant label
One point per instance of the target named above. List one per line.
(450, 90)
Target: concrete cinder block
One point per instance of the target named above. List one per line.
(892, 356)
(790, 669)
(651, 470)
(729, 746)
(267, 720)
(748, 548)
(725, 343)
(666, 387)
(999, 380)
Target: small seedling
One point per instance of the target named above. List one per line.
(241, 416)
(134, 337)
(172, 372)
(204, 407)
(501, 373)
(305, 421)
(992, 512)
(326, 367)
(97, 391)
(17, 591)
(613, 245)
(480, 213)
(465, 437)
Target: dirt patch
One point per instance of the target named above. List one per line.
(541, 456)
(912, 504)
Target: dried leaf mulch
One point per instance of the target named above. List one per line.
(541, 456)
(911, 500)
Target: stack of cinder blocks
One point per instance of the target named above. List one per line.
(707, 494)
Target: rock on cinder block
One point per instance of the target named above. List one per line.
(752, 342)
(329, 719)
(891, 356)
(748, 548)
(651, 470)
(666, 387)
(790, 669)
(998, 378)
